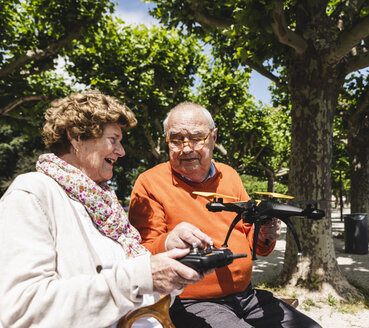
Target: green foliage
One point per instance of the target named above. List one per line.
(331, 300)
(252, 139)
(308, 303)
(18, 154)
(245, 26)
(33, 34)
(351, 155)
(36, 24)
(253, 185)
(151, 70)
(314, 282)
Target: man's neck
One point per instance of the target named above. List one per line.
(210, 173)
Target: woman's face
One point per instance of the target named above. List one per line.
(95, 157)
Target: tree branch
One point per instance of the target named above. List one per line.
(348, 40)
(264, 168)
(38, 54)
(283, 33)
(362, 108)
(358, 62)
(211, 21)
(214, 22)
(283, 171)
(222, 150)
(263, 71)
(17, 102)
(346, 11)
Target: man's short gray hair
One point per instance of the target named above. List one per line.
(190, 105)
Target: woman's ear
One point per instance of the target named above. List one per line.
(73, 139)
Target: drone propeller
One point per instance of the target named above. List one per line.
(213, 194)
(274, 194)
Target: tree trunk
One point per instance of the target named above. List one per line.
(271, 182)
(314, 89)
(358, 141)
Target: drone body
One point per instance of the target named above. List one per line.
(259, 212)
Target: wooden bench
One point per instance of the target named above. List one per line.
(159, 311)
(294, 302)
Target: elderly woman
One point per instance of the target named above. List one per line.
(69, 257)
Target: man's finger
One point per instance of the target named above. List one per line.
(204, 238)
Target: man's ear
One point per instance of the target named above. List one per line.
(215, 134)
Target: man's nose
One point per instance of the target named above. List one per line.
(186, 147)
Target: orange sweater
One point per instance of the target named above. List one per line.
(161, 199)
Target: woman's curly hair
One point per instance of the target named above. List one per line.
(85, 115)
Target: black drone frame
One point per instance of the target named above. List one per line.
(261, 212)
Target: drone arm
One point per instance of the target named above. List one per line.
(289, 224)
(262, 248)
(255, 241)
(235, 221)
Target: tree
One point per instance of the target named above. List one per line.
(318, 43)
(354, 112)
(151, 70)
(252, 139)
(33, 34)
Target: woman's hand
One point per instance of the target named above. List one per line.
(169, 274)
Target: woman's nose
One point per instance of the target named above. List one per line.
(120, 150)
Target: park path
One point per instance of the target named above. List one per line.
(353, 266)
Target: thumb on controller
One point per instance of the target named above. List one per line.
(177, 253)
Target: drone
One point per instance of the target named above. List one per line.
(259, 212)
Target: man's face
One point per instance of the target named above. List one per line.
(183, 125)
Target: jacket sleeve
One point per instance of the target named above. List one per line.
(146, 213)
(32, 293)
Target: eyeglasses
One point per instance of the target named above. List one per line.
(193, 143)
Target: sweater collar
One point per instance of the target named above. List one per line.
(212, 172)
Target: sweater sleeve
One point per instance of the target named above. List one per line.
(147, 214)
(32, 293)
(262, 249)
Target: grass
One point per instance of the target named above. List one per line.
(279, 291)
(308, 304)
(344, 307)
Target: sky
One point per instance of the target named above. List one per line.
(137, 12)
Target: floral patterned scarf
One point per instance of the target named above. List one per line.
(100, 202)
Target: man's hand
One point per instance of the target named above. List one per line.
(169, 274)
(184, 235)
(270, 231)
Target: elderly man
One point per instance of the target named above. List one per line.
(168, 215)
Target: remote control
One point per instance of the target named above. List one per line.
(209, 258)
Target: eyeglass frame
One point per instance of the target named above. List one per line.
(183, 142)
